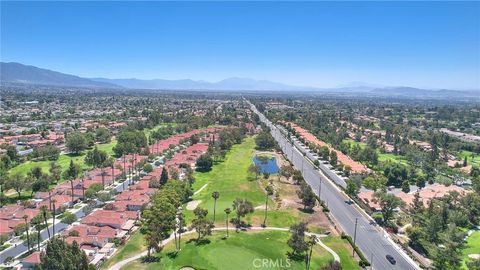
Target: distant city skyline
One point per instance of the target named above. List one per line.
(318, 44)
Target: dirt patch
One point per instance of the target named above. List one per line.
(474, 256)
(192, 205)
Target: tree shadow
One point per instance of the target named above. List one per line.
(306, 210)
(295, 257)
(172, 254)
(151, 259)
(199, 242)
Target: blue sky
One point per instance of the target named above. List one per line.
(325, 44)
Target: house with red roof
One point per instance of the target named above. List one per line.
(31, 261)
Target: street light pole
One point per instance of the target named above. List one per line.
(354, 237)
(320, 189)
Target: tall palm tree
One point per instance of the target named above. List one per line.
(38, 227)
(227, 211)
(124, 168)
(71, 174)
(44, 211)
(25, 217)
(83, 186)
(268, 191)
(53, 215)
(112, 165)
(311, 242)
(215, 196)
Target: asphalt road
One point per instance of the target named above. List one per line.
(372, 240)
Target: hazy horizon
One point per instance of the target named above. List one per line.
(315, 44)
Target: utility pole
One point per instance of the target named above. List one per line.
(354, 237)
(320, 189)
(302, 163)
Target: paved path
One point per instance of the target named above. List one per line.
(124, 262)
(200, 190)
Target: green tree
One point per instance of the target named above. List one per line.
(307, 196)
(18, 182)
(388, 203)
(201, 224)
(242, 207)
(164, 176)
(204, 163)
(69, 218)
(76, 142)
(375, 182)
(352, 188)
(102, 135)
(59, 255)
(264, 141)
(333, 158)
(297, 240)
(71, 174)
(254, 168)
(159, 220)
(55, 171)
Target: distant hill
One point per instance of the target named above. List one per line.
(19, 73)
(424, 93)
(227, 84)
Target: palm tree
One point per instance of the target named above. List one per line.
(312, 241)
(111, 161)
(124, 168)
(268, 191)
(53, 215)
(44, 211)
(227, 211)
(83, 186)
(215, 196)
(72, 173)
(25, 217)
(38, 227)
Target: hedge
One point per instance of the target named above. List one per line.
(363, 260)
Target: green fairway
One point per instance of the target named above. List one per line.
(472, 246)
(231, 179)
(381, 156)
(241, 251)
(391, 157)
(472, 158)
(343, 249)
(135, 245)
(63, 160)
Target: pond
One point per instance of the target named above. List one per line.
(266, 164)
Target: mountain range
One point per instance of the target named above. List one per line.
(25, 74)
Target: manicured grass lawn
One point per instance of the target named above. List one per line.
(147, 131)
(135, 245)
(343, 249)
(391, 157)
(231, 179)
(472, 246)
(470, 160)
(241, 251)
(63, 160)
(353, 142)
(382, 157)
